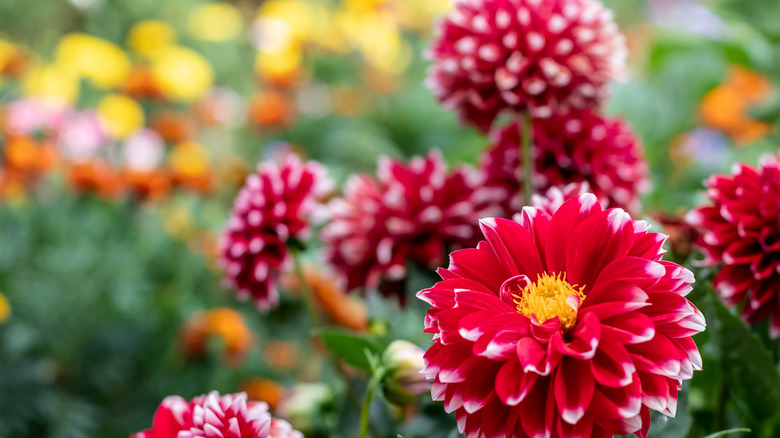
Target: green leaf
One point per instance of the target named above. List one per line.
(727, 432)
(350, 346)
(750, 370)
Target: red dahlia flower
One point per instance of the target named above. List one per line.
(209, 415)
(580, 146)
(273, 208)
(556, 196)
(561, 326)
(412, 211)
(544, 56)
(741, 231)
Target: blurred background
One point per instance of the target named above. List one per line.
(127, 127)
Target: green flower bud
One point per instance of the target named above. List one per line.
(403, 383)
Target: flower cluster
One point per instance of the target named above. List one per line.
(411, 211)
(740, 231)
(493, 56)
(272, 210)
(562, 325)
(212, 415)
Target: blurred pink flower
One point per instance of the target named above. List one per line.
(144, 150)
(81, 136)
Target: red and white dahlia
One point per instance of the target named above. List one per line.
(214, 416)
(544, 56)
(567, 325)
(579, 146)
(411, 211)
(556, 196)
(275, 207)
(741, 232)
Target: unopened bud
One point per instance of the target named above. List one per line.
(403, 383)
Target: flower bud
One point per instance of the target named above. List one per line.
(403, 383)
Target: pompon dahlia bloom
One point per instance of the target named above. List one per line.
(741, 231)
(544, 56)
(561, 326)
(212, 415)
(411, 211)
(274, 207)
(580, 146)
(556, 196)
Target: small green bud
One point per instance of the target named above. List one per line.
(403, 383)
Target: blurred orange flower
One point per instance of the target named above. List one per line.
(269, 391)
(13, 184)
(190, 166)
(226, 324)
(140, 84)
(174, 127)
(96, 176)
(345, 310)
(726, 106)
(271, 108)
(152, 184)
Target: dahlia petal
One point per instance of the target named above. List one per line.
(512, 383)
(618, 403)
(479, 390)
(612, 366)
(658, 356)
(640, 272)
(481, 300)
(656, 393)
(648, 246)
(448, 321)
(573, 387)
(536, 222)
(593, 246)
(172, 415)
(518, 257)
(613, 298)
(500, 346)
(479, 265)
(584, 340)
(568, 216)
(533, 357)
(631, 327)
(538, 411)
(582, 429)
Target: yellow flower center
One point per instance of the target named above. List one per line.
(549, 297)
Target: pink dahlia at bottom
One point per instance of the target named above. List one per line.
(544, 56)
(274, 207)
(214, 416)
(741, 232)
(416, 210)
(567, 325)
(580, 146)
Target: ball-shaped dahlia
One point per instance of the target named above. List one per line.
(413, 210)
(579, 146)
(212, 415)
(273, 208)
(564, 325)
(543, 56)
(741, 232)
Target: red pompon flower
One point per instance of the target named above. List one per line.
(545, 56)
(212, 415)
(274, 207)
(580, 146)
(741, 231)
(411, 211)
(556, 196)
(567, 325)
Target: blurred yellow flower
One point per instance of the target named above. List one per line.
(189, 159)
(7, 53)
(146, 38)
(182, 74)
(105, 64)
(297, 14)
(52, 81)
(122, 115)
(384, 49)
(215, 22)
(177, 220)
(278, 67)
(5, 309)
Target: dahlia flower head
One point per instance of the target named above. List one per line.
(413, 210)
(541, 56)
(562, 325)
(579, 146)
(214, 416)
(274, 207)
(740, 232)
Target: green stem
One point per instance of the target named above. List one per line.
(526, 141)
(306, 293)
(372, 384)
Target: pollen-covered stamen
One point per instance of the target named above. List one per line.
(548, 297)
